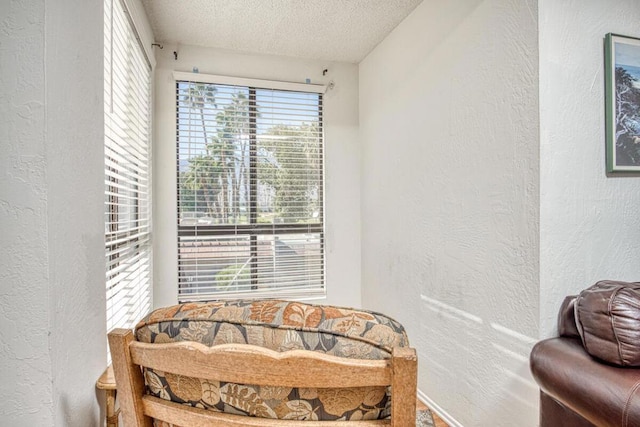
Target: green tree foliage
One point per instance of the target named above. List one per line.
(202, 180)
(233, 275)
(232, 145)
(215, 177)
(196, 194)
(627, 118)
(216, 182)
(292, 169)
(198, 97)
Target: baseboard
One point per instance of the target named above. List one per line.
(435, 408)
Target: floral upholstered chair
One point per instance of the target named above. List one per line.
(272, 363)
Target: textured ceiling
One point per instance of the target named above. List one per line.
(335, 30)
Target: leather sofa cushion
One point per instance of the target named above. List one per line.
(608, 320)
(280, 326)
(604, 395)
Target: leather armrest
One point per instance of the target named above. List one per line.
(603, 394)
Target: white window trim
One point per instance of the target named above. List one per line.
(307, 294)
(241, 81)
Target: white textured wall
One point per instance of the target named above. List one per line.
(589, 224)
(25, 366)
(342, 178)
(52, 340)
(74, 133)
(450, 144)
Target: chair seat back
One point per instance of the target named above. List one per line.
(287, 351)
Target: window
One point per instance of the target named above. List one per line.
(250, 191)
(127, 170)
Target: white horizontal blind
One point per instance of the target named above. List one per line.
(250, 192)
(127, 170)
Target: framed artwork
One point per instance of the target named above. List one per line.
(622, 94)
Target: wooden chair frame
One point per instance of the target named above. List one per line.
(248, 364)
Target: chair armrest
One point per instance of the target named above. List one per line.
(603, 394)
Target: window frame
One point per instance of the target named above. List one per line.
(253, 228)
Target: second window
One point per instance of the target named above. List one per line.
(250, 192)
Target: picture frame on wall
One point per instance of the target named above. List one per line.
(622, 97)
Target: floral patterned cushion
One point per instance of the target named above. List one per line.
(280, 326)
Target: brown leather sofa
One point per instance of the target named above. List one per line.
(576, 389)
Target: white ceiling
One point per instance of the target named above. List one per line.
(334, 30)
